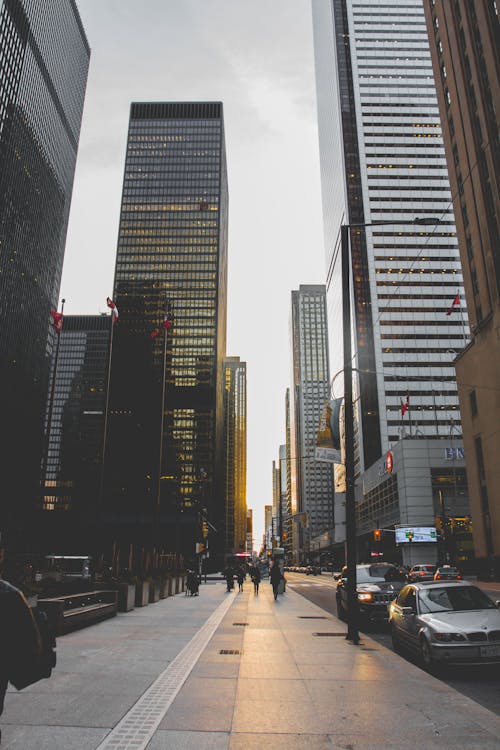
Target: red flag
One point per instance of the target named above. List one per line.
(113, 307)
(405, 405)
(167, 323)
(154, 334)
(57, 320)
(455, 303)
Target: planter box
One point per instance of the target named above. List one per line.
(142, 594)
(154, 592)
(126, 597)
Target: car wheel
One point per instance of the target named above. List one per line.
(427, 657)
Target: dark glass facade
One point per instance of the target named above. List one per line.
(44, 58)
(164, 458)
(71, 484)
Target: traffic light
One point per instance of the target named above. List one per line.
(377, 535)
(204, 529)
(284, 536)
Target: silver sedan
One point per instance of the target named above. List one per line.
(446, 622)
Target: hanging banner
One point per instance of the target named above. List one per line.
(328, 439)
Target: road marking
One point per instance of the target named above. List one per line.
(137, 727)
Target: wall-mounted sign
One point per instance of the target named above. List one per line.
(454, 454)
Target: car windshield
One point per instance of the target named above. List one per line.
(453, 599)
(374, 573)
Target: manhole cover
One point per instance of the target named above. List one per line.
(229, 651)
(331, 635)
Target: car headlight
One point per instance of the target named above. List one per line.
(365, 596)
(449, 637)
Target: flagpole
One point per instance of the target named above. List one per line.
(106, 407)
(52, 396)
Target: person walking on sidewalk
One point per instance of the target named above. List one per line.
(241, 578)
(256, 579)
(276, 578)
(20, 643)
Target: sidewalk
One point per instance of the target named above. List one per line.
(286, 688)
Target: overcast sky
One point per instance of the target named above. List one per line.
(257, 58)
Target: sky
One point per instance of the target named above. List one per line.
(257, 58)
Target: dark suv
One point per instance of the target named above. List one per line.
(376, 586)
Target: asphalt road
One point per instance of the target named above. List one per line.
(481, 684)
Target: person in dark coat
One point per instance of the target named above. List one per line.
(256, 579)
(241, 577)
(20, 642)
(229, 576)
(276, 577)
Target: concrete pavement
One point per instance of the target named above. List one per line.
(237, 672)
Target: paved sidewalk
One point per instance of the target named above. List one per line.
(286, 688)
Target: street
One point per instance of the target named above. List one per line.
(481, 684)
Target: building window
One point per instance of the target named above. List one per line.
(473, 403)
(480, 459)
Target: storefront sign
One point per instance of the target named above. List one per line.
(454, 454)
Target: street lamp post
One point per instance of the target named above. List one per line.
(350, 502)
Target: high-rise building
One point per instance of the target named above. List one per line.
(235, 453)
(44, 58)
(283, 520)
(382, 160)
(164, 456)
(276, 481)
(249, 549)
(463, 40)
(71, 482)
(268, 526)
(288, 526)
(312, 480)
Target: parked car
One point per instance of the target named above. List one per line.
(446, 622)
(376, 585)
(422, 573)
(447, 573)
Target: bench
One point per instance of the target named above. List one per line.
(75, 611)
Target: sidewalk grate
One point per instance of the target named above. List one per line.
(226, 651)
(243, 624)
(312, 617)
(139, 724)
(331, 635)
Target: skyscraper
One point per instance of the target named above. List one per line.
(382, 159)
(164, 457)
(312, 481)
(463, 40)
(235, 453)
(76, 425)
(44, 58)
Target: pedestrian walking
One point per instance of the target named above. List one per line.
(229, 576)
(22, 657)
(256, 579)
(276, 577)
(241, 578)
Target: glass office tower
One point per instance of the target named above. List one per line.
(164, 456)
(76, 425)
(382, 159)
(235, 452)
(312, 481)
(44, 58)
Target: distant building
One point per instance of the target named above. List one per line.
(382, 160)
(276, 503)
(289, 525)
(249, 537)
(44, 59)
(463, 39)
(268, 525)
(71, 484)
(312, 481)
(165, 451)
(235, 450)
